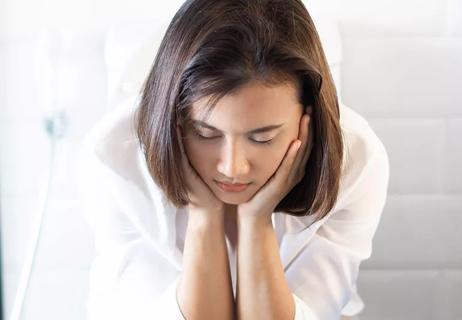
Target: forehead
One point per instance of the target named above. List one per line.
(253, 105)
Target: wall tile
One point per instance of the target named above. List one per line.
(418, 232)
(18, 217)
(24, 156)
(79, 81)
(412, 77)
(453, 157)
(19, 74)
(453, 283)
(416, 151)
(402, 294)
(381, 19)
(66, 240)
(454, 17)
(323, 7)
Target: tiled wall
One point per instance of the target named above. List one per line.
(402, 70)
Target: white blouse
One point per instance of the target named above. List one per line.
(139, 235)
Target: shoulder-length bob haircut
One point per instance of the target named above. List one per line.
(214, 47)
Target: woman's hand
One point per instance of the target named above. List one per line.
(290, 172)
(202, 198)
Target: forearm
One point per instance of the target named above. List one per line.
(262, 290)
(205, 288)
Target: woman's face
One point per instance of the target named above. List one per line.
(226, 147)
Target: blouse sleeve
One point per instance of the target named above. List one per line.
(324, 273)
(128, 279)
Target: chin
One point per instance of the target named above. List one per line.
(233, 202)
(230, 198)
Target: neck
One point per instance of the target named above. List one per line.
(230, 209)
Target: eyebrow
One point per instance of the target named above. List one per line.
(258, 130)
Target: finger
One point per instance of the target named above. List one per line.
(285, 168)
(279, 179)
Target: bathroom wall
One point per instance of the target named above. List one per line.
(401, 69)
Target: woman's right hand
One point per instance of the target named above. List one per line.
(202, 199)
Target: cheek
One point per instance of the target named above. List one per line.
(269, 160)
(198, 155)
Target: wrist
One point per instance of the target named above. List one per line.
(254, 221)
(205, 218)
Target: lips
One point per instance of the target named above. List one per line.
(232, 187)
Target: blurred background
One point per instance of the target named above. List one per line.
(64, 64)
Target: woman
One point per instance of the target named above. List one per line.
(237, 187)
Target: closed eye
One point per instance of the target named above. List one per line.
(215, 137)
(261, 141)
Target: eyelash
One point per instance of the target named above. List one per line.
(267, 142)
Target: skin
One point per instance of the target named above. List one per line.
(232, 155)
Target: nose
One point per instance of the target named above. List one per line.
(233, 162)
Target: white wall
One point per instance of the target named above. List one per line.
(402, 70)
(24, 17)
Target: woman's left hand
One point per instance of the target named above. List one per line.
(290, 172)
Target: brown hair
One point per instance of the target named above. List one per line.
(213, 48)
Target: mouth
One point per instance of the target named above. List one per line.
(238, 187)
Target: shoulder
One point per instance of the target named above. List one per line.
(361, 143)
(366, 163)
(108, 138)
(114, 180)
(110, 154)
